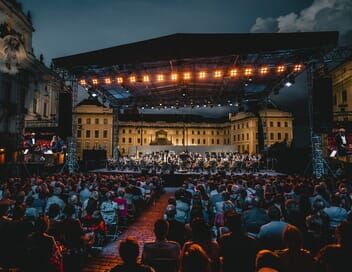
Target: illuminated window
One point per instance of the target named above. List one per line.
(174, 77)
(119, 80)
(187, 76)
(217, 74)
(83, 82)
(202, 75)
(132, 79)
(107, 80)
(95, 81)
(233, 72)
(280, 69)
(145, 78)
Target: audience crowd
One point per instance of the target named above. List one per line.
(54, 223)
(250, 223)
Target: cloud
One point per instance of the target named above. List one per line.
(322, 15)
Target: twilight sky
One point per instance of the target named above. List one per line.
(71, 26)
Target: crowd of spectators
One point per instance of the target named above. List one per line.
(250, 224)
(54, 223)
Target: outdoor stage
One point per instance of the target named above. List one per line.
(176, 179)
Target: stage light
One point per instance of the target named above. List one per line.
(264, 70)
(298, 67)
(160, 77)
(217, 74)
(233, 72)
(145, 78)
(132, 79)
(152, 108)
(94, 95)
(202, 75)
(198, 106)
(174, 77)
(187, 76)
(107, 80)
(94, 81)
(248, 71)
(142, 108)
(219, 105)
(119, 80)
(204, 106)
(83, 82)
(280, 69)
(290, 81)
(230, 104)
(288, 84)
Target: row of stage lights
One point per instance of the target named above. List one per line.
(217, 74)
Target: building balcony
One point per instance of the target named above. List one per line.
(40, 123)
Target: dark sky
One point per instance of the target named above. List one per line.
(66, 27)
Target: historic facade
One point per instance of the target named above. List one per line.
(342, 92)
(95, 126)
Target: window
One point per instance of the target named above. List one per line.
(176, 132)
(256, 136)
(286, 136)
(123, 140)
(247, 136)
(242, 125)
(145, 140)
(212, 132)
(87, 145)
(242, 137)
(344, 96)
(130, 140)
(130, 131)
(88, 121)
(79, 133)
(123, 131)
(286, 124)
(96, 134)
(139, 140)
(234, 137)
(176, 140)
(217, 132)
(279, 124)
(212, 141)
(224, 141)
(87, 133)
(204, 141)
(192, 141)
(97, 121)
(234, 127)
(105, 121)
(79, 120)
(105, 134)
(247, 125)
(192, 132)
(335, 100)
(217, 141)
(35, 105)
(271, 124)
(45, 109)
(198, 141)
(271, 136)
(138, 131)
(238, 137)
(198, 132)
(203, 132)
(279, 136)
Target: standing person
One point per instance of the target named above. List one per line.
(129, 251)
(177, 230)
(341, 142)
(236, 248)
(162, 254)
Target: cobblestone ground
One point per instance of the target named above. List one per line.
(142, 229)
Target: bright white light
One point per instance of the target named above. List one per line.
(94, 95)
(288, 84)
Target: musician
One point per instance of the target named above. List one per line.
(341, 142)
(32, 142)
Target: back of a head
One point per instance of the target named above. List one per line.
(274, 213)
(200, 230)
(292, 237)
(195, 259)
(233, 221)
(161, 228)
(129, 250)
(267, 259)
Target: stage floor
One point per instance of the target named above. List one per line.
(261, 172)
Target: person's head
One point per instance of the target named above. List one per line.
(292, 237)
(129, 250)
(195, 259)
(314, 223)
(344, 234)
(318, 205)
(200, 230)
(267, 259)
(161, 229)
(54, 211)
(274, 213)
(18, 212)
(69, 210)
(335, 201)
(233, 221)
(170, 212)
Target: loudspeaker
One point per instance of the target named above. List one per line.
(322, 104)
(65, 115)
(94, 159)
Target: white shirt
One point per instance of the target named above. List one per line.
(343, 139)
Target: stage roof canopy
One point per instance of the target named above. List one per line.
(185, 69)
